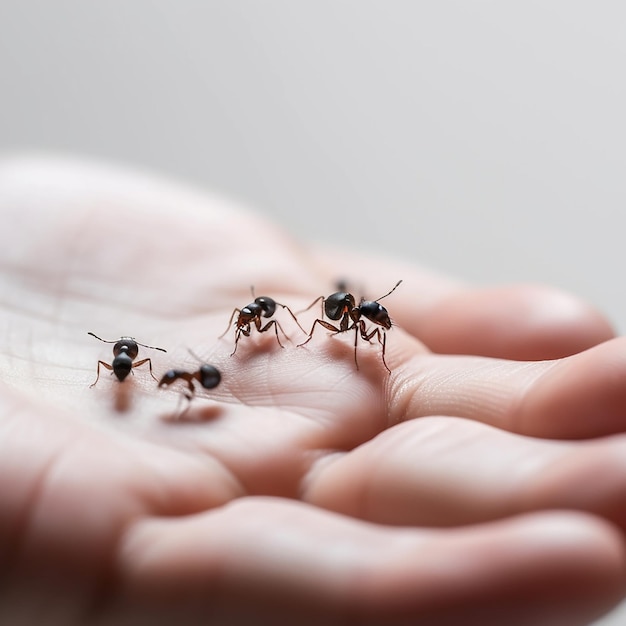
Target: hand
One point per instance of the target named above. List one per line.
(300, 490)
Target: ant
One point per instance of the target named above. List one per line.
(252, 313)
(207, 375)
(341, 306)
(125, 352)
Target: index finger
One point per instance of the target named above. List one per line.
(521, 322)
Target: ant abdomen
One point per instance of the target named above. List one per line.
(268, 305)
(209, 376)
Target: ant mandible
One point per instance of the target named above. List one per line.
(125, 352)
(262, 306)
(341, 306)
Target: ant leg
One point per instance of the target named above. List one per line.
(149, 362)
(180, 413)
(323, 323)
(188, 394)
(382, 342)
(292, 315)
(240, 331)
(310, 305)
(365, 336)
(276, 327)
(230, 321)
(109, 367)
(184, 411)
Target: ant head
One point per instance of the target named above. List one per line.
(250, 311)
(375, 312)
(337, 304)
(168, 378)
(126, 345)
(268, 306)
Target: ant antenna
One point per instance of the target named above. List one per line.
(390, 292)
(151, 347)
(194, 355)
(100, 338)
(143, 345)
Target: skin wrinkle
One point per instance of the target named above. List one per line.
(593, 465)
(17, 540)
(98, 583)
(102, 585)
(319, 461)
(116, 306)
(366, 505)
(383, 550)
(212, 463)
(443, 439)
(246, 476)
(564, 408)
(122, 439)
(514, 417)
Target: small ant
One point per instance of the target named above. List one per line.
(262, 306)
(342, 306)
(207, 375)
(125, 352)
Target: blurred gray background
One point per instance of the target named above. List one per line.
(483, 138)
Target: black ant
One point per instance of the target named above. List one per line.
(207, 375)
(342, 306)
(252, 313)
(125, 352)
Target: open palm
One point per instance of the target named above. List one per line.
(301, 490)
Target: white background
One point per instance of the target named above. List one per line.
(483, 138)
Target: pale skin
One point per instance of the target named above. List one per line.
(468, 486)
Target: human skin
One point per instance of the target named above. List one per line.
(480, 482)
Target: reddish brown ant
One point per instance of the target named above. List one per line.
(252, 313)
(125, 352)
(341, 306)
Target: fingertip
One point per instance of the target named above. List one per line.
(523, 322)
(579, 397)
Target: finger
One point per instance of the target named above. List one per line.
(576, 397)
(441, 471)
(526, 322)
(69, 485)
(266, 561)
